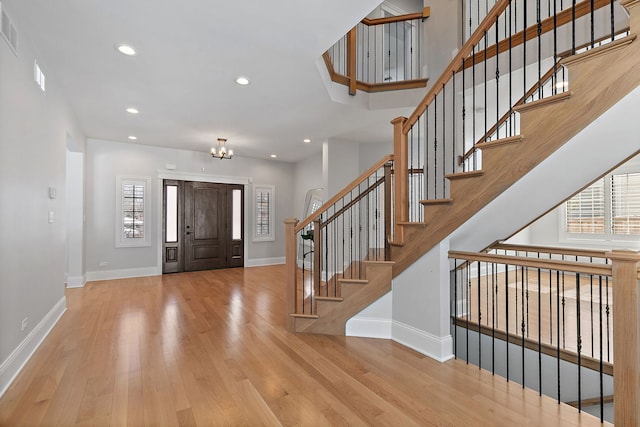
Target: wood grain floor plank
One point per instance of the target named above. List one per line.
(210, 348)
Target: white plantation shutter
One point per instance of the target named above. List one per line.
(625, 203)
(585, 211)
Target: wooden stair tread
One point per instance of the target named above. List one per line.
(561, 97)
(463, 175)
(500, 142)
(358, 281)
(600, 50)
(378, 262)
(436, 202)
(304, 316)
(413, 224)
(335, 299)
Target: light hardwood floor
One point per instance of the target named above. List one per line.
(210, 348)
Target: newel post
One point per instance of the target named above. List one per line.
(401, 178)
(290, 267)
(626, 337)
(352, 60)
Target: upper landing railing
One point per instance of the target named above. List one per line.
(380, 54)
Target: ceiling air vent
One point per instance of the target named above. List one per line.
(8, 31)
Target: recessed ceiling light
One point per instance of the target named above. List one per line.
(132, 110)
(243, 81)
(126, 49)
(306, 140)
(273, 156)
(133, 138)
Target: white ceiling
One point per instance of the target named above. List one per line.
(189, 54)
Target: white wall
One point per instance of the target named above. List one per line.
(371, 153)
(307, 176)
(441, 37)
(340, 164)
(106, 160)
(33, 132)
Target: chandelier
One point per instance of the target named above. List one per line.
(221, 152)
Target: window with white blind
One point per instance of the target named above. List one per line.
(609, 207)
(625, 203)
(132, 211)
(264, 206)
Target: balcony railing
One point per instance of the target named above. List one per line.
(554, 321)
(380, 54)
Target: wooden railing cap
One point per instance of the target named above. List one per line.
(293, 221)
(623, 255)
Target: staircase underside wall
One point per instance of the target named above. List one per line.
(601, 146)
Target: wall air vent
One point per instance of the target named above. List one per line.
(8, 31)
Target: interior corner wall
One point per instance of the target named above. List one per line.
(33, 134)
(370, 153)
(421, 315)
(340, 165)
(107, 159)
(441, 36)
(307, 176)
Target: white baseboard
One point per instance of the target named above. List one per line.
(369, 327)
(438, 348)
(11, 367)
(76, 281)
(259, 262)
(123, 274)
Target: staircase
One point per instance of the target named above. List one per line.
(598, 79)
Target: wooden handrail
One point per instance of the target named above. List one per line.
(359, 180)
(562, 18)
(426, 12)
(544, 264)
(552, 250)
(464, 51)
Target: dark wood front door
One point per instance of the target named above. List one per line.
(211, 233)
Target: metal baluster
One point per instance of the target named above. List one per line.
(444, 138)
(601, 356)
(426, 152)
(506, 307)
(524, 50)
(479, 321)
(522, 324)
(498, 84)
(494, 316)
(608, 312)
(468, 270)
(473, 106)
(455, 309)
(573, 28)
(464, 113)
(592, 23)
(453, 122)
(558, 325)
(539, 332)
(486, 47)
(435, 147)
(539, 28)
(579, 342)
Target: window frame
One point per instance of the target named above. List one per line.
(607, 239)
(132, 242)
(270, 190)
